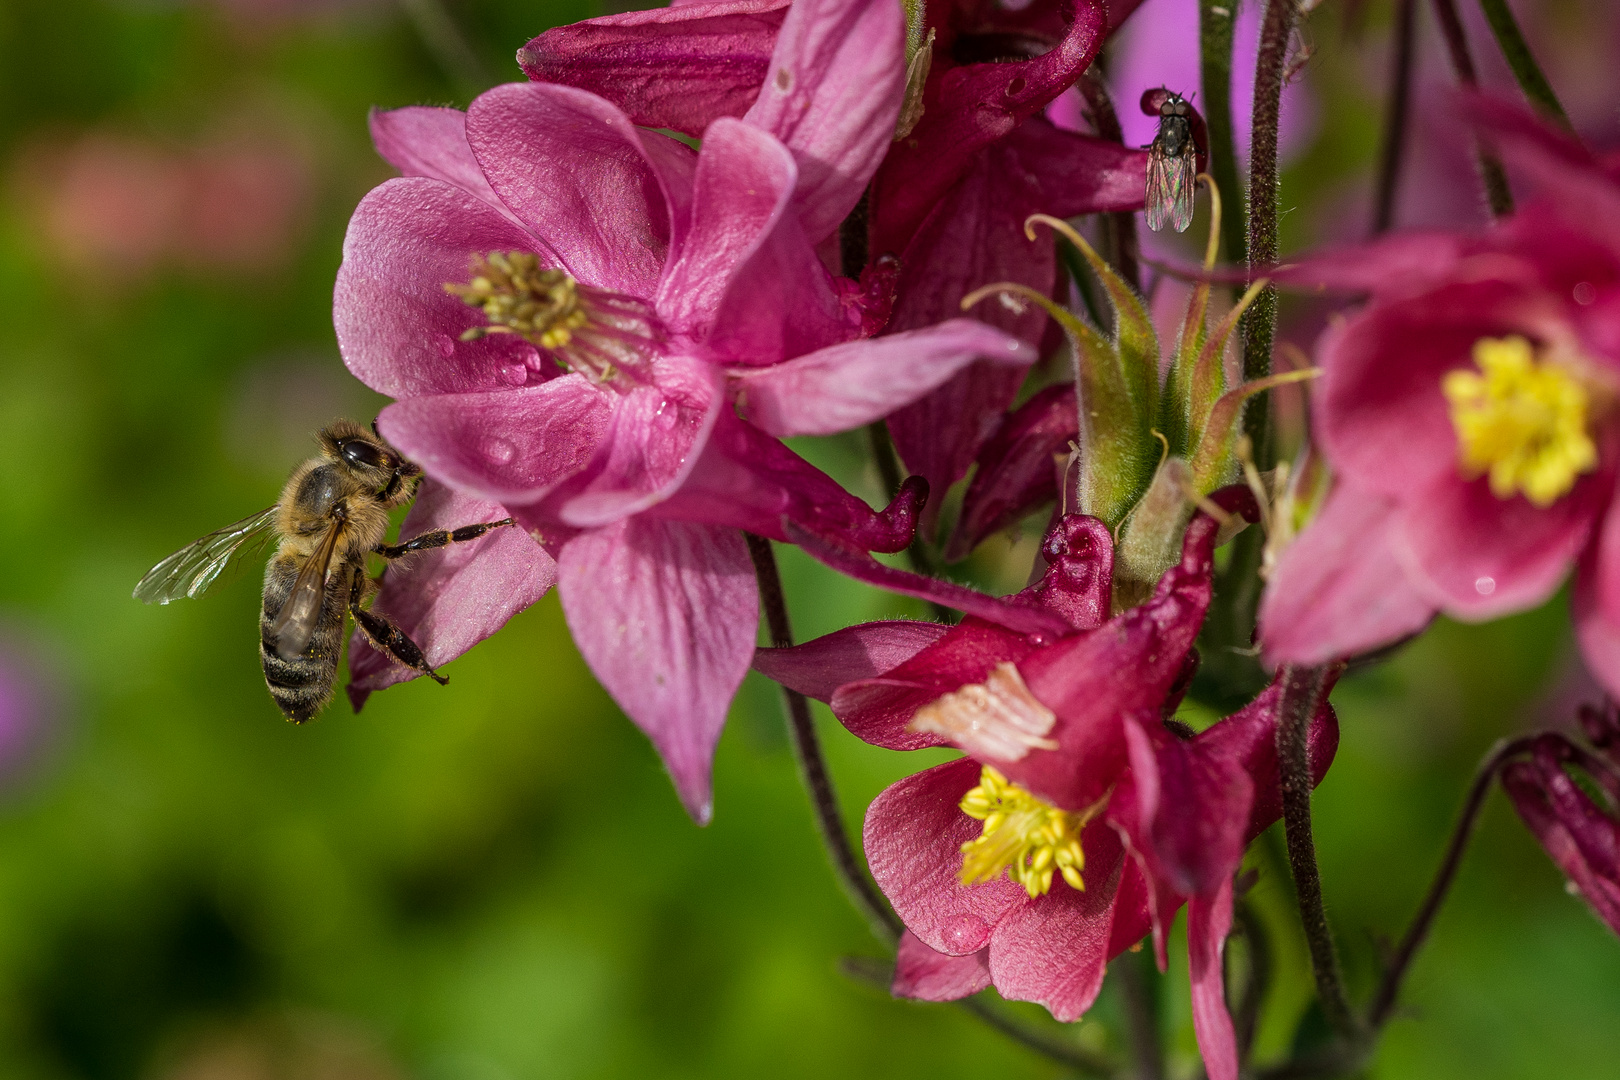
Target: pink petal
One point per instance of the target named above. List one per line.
(1595, 602)
(862, 567)
(1018, 467)
(1383, 419)
(877, 709)
(1054, 949)
(1192, 807)
(680, 67)
(1558, 832)
(819, 667)
(508, 446)
(749, 480)
(922, 974)
(746, 278)
(398, 330)
(1209, 920)
(1078, 174)
(1391, 267)
(657, 435)
(849, 386)
(833, 96)
(1340, 589)
(431, 142)
(449, 599)
(913, 838)
(1478, 556)
(665, 613)
(574, 169)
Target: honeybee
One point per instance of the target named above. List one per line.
(1172, 173)
(332, 512)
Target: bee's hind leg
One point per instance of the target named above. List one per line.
(384, 635)
(439, 538)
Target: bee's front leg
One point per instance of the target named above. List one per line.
(383, 634)
(439, 538)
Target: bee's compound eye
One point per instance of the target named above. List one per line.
(358, 452)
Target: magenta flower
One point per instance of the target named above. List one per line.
(1579, 835)
(1071, 772)
(1468, 412)
(951, 197)
(572, 314)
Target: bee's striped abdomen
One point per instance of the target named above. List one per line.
(302, 686)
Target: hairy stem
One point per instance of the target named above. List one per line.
(1215, 19)
(449, 47)
(1395, 118)
(862, 892)
(1518, 56)
(1301, 694)
(1383, 1001)
(1260, 321)
(1491, 176)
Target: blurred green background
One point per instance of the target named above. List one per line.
(493, 880)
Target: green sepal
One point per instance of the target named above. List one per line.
(1150, 540)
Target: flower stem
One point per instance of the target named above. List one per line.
(1077, 1058)
(1215, 19)
(448, 45)
(862, 892)
(1492, 177)
(1301, 694)
(1517, 53)
(1260, 321)
(1383, 1001)
(1395, 118)
(1246, 1017)
(1141, 1014)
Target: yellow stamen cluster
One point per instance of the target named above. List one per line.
(519, 296)
(1023, 835)
(1522, 422)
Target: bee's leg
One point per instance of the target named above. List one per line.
(439, 538)
(383, 634)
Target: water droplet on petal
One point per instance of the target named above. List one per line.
(966, 932)
(1484, 585)
(499, 450)
(514, 374)
(447, 346)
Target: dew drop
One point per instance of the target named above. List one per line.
(515, 374)
(447, 346)
(1584, 293)
(1484, 585)
(966, 932)
(499, 450)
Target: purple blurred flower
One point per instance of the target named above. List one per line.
(669, 285)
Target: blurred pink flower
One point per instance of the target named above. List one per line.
(1071, 768)
(114, 205)
(673, 286)
(1468, 412)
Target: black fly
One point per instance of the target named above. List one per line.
(1172, 170)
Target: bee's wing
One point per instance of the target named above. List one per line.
(295, 622)
(1171, 184)
(192, 569)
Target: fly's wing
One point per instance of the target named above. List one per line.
(192, 569)
(295, 623)
(1171, 184)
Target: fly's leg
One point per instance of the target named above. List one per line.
(383, 634)
(439, 538)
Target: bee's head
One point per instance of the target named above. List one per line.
(367, 455)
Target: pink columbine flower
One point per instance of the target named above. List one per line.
(1072, 772)
(602, 332)
(954, 190)
(1469, 413)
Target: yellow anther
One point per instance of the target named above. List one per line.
(519, 296)
(1521, 422)
(1028, 838)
